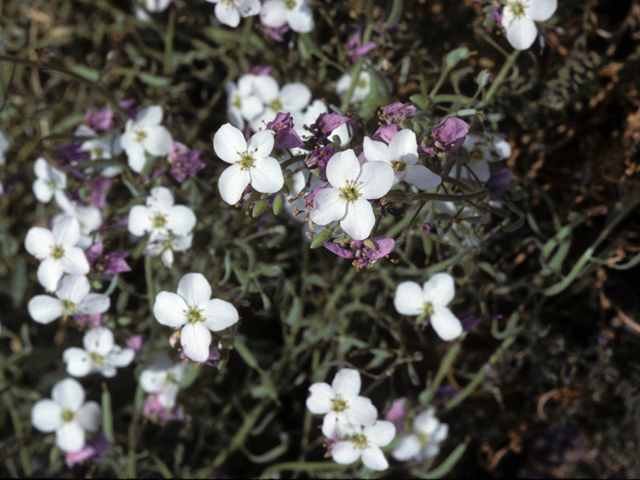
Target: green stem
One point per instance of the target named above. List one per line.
(149, 279)
(17, 427)
(168, 43)
(356, 72)
(511, 59)
(445, 366)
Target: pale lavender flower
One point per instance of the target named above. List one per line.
(108, 264)
(396, 414)
(277, 33)
(447, 136)
(100, 120)
(155, 411)
(184, 162)
(363, 255)
(285, 135)
(325, 124)
(94, 450)
(354, 49)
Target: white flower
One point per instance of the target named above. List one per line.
(242, 102)
(67, 414)
(58, 251)
(152, 6)
(480, 154)
(163, 378)
(230, 11)
(297, 13)
(309, 117)
(89, 218)
(49, 182)
(100, 355)
(362, 90)
(341, 404)
(425, 441)
(4, 146)
(402, 155)
(160, 216)
(145, 134)
(251, 164)
(365, 442)
(292, 98)
(432, 300)
(74, 298)
(164, 245)
(519, 17)
(103, 148)
(193, 309)
(353, 186)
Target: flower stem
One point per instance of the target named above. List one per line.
(356, 72)
(499, 79)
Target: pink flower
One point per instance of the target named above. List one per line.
(99, 121)
(135, 343)
(364, 255)
(397, 413)
(447, 136)
(355, 50)
(95, 450)
(156, 412)
(184, 161)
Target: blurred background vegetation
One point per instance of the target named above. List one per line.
(550, 389)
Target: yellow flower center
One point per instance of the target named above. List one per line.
(236, 102)
(67, 416)
(398, 166)
(428, 308)
(517, 9)
(423, 437)
(97, 359)
(97, 152)
(194, 315)
(360, 441)
(159, 220)
(362, 83)
(290, 4)
(350, 192)
(338, 405)
(275, 105)
(69, 307)
(477, 155)
(57, 252)
(246, 160)
(139, 136)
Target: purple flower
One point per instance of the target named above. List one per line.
(259, 70)
(212, 361)
(497, 14)
(135, 343)
(390, 116)
(426, 228)
(184, 161)
(286, 136)
(98, 188)
(325, 124)
(277, 33)
(444, 394)
(468, 321)
(94, 450)
(320, 156)
(71, 155)
(396, 414)
(504, 176)
(385, 133)
(157, 412)
(93, 320)
(448, 136)
(99, 121)
(127, 105)
(109, 264)
(354, 50)
(364, 255)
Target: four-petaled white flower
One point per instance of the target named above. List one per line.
(340, 403)
(353, 187)
(519, 17)
(58, 251)
(251, 164)
(480, 154)
(89, 219)
(100, 355)
(102, 148)
(74, 298)
(50, 182)
(243, 105)
(67, 414)
(431, 300)
(291, 98)
(145, 134)
(160, 216)
(402, 155)
(163, 378)
(425, 440)
(164, 245)
(297, 13)
(193, 309)
(229, 12)
(365, 442)
(361, 91)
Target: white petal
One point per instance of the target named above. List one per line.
(381, 433)
(167, 257)
(408, 448)
(266, 175)
(445, 323)
(66, 231)
(265, 85)
(139, 220)
(232, 183)
(373, 458)
(295, 96)
(409, 298)
(261, 144)
(70, 437)
(89, 416)
(160, 199)
(345, 453)
(251, 107)
(94, 303)
(376, 151)
(273, 14)
(376, 179)
(77, 360)
(195, 340)
(49, 273)
(149, 116)
(520, 32)
(228, 143)
(45, 415)
(329, 206)
(248, 8)
(158, 141)
(422, 177)
(74, 288)
(136, 156)
(227, 14)
(42, 191)
(68, 394)
(361, 412)
(541, 10)
(120, 357)
(300, 19)
(170, 309)
(44, 309)
(167, 397)
(99, 340)
(195, 289)
(343, 167)
(152, 381)
(319, 402)
(41, 169)
(359, 219)
(329, 424)
(38, 242)
(75, 261)
(347, 383)
(181, 220)
(404, 146)
(219, 315)
(439, 289)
